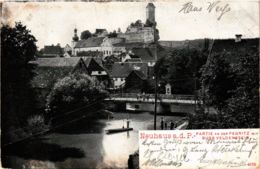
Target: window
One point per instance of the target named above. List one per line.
(99, 72)
(137, 106)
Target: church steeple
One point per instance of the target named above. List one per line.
(75, 40)
(75, 37)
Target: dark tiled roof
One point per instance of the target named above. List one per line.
(139, 74)
(120, 69)
(146, 54)
(229, 46)
(90, 42)
(134, 60)
(57, 62)
(52, 50)
(87, 60)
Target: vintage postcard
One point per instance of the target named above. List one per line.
(130, 84)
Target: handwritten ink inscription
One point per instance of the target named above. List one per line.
(217, 6)
(234, 148)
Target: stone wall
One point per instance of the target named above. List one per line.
(144, 35)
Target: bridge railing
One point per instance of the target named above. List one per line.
(150, 96)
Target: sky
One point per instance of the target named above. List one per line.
(54, 22)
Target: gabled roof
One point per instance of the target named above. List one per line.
(133, 60)
(120, 69)
(49, 70)
(139, 74)
(90, 42)
(87, 60)
(146, 54)
(92, 64)
(57, 62)
(52, 50)
(235, 49)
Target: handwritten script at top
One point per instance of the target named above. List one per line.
(199, 149)
(217, 6)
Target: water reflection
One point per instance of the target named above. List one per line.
(117, 147)
(100, 150)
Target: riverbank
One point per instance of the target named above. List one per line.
(84, 143)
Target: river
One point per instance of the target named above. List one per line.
(84, 144)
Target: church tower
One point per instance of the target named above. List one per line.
(150, 12)
(75, 39)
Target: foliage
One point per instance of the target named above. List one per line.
(18, 48)
(73, 92)
(109, 61)
(239, 107)
(85, 35)
(179, 69)
(137, 23)
(202, 120)
(242, 109)
(148, 23)
(112, 34)
(218, 80)
(36, 124)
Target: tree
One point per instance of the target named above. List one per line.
(233, 90)
(18, 99)
(85, 35)
(242, 109)
(112, 34)
(110, 60)
(180, 68)
(218, 80)
(73, 92)
(148, 23)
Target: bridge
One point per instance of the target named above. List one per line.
(145, 102)
(150, 98)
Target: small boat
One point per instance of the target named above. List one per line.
(110, 131)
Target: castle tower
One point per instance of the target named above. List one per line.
(150, 12)
(75, 39)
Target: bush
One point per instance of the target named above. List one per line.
(36, 124)
(79, 93)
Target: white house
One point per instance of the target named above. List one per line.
(101, 44)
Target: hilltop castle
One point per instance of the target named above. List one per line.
(136, 32)
(141, 32)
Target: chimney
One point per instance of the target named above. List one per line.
(238, 38)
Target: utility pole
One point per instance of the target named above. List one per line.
(195, 94)
(155, 100)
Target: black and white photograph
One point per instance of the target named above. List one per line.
(81, 79)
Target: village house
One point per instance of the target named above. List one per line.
(104, 45)
(121, 70)
(135, 82)
(95, 69)
(49, 70)
(51, 51)
(137, 32)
